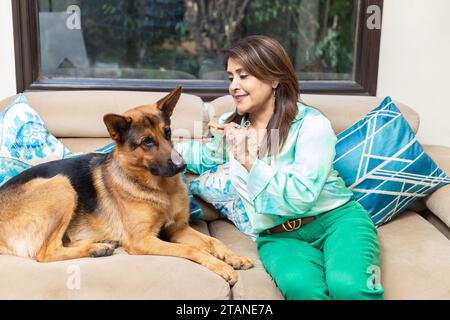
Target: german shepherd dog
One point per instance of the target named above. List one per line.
(134, 196)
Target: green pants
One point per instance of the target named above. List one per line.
(335, 256)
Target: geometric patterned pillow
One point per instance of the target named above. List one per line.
(384, 165)
(25, 141)
(196, 212)
(214, 186)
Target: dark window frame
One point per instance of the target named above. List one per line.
(367, 52)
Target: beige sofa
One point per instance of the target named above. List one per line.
(415, 247)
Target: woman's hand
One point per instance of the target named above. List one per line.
(241, 142)
(226, 128)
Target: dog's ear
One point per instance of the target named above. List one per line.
(167, 104)
(117, 125)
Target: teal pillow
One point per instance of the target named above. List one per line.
(214, 186)
(24, 140)
(196, 212)
(384, 165)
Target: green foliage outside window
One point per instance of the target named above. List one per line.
(183, 39)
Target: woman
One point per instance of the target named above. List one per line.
(314, 239)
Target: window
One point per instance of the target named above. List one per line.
(156, 44)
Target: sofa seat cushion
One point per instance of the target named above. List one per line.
(254, 283)
(120, 276)
(415, 259)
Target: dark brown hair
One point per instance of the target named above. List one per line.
(266, 59)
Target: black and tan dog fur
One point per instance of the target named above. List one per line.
(134, 196)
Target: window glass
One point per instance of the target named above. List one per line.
(183, 39)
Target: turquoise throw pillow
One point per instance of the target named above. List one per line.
(196, 212)
(25, 141)
(384, 165)
(214, 186)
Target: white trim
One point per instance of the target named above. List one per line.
(387, 158)
(404, 168)
(405, 202)
(416, 182)
(385, 163)
(409, 176)
(378, 130)
(391, 193)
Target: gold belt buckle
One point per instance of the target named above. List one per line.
(292, 225)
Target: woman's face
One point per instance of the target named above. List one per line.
(250, 94)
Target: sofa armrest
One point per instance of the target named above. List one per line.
(6, 102)
(439, 201)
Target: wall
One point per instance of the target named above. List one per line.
(415, 62)
(7, 64)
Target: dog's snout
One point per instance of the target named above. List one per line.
(169, 167)
(180, 167)
(177, 161)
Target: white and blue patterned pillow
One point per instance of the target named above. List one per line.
(25, 141)
(214, 186)
(384, 165)
(196, 212)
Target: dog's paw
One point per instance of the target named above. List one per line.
(101, 250)
(239, 262)
(114, 243)
(246, 263)
(223, 270)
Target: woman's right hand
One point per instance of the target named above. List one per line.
(241, 142)
(227, 128)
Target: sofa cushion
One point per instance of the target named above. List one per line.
(381, 161)
(80, 113)
(415, 259)
(120, 276)
(439, 201)
(25, 140)
(342, 111)
(85, 145)
(254, 283)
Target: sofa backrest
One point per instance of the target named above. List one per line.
(343, 111)
(79, 114)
